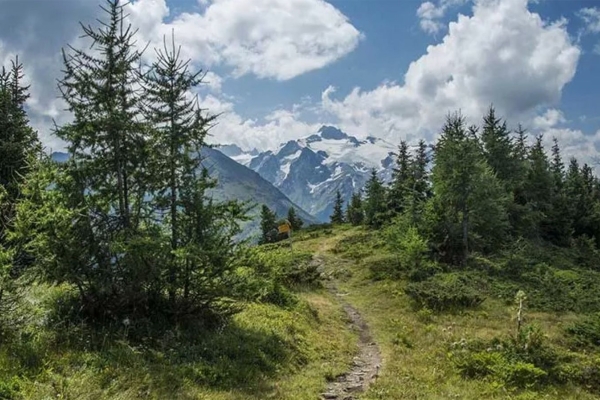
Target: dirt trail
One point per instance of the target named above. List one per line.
(366, 363)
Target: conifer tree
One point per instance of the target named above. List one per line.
(294, 220)
(93, 230)
(18, 141)
(267, 225)
(354, 211)
(558, 228)
(374, 204)
(338, 209)
(19, 146)
(400, 186)
(538, 190)
(419, 183)
(177, 181)
(498, 148)
(469, 201)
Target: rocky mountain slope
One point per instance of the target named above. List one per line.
(310, 170)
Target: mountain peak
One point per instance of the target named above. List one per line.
(331, 132)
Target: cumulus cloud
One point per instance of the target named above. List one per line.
(277, 127)
(503, 54)
(277, 39)
(430, 14)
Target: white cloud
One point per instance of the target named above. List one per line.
(278, 39)
(502, 54)
(278, 127)
(213, 82)
(591, 19)
(549, 119)
(430, 14)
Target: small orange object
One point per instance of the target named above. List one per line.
(284, 228)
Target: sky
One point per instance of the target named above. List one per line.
(279, 69)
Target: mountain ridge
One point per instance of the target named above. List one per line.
(310, 170)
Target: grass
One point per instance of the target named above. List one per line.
(415, 344)
(273, 352)
(264, 352)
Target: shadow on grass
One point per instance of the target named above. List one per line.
(157, 357)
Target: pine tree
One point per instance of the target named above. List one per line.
(469, 201)
(558, 228)
(538, 190)
(401, 186)
(580, 189)
(294, 220)
(419, 183)
(498, 148)
(176, 180)
(19, 146)
(267, 225)
(18, 141)
(338, 209)
(100, 235)
(374, 204)
(354, 211)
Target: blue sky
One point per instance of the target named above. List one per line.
(387, 68)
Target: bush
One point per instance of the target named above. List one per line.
(586, 332)
(268, 273)
(452, 291)
(383, 266)
(522, 361)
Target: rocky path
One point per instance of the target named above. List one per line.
(366, 363)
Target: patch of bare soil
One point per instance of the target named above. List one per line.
(366, 363)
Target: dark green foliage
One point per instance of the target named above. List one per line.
(498, 148)
(268, 225)
(19, 147)
(419, 184)
(469, 207)
(294, 220)
(199, 232)
(127, 219)
(401, 181)
(374, 204)
(18, 141)
(586, 332)
(338, 209)
(454, 291)
(524, 360)
(269, 272)
(354, 212)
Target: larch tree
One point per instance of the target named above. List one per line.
(87, 217)
(400, 186)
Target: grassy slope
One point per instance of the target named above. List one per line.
(266, 352)
(415, 348)
(272, 353)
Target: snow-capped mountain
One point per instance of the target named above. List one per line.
(310, 170)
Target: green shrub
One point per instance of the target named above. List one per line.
(383, 266)
(452, 291)
(586, 332)
(9, 389)
(425, 271)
